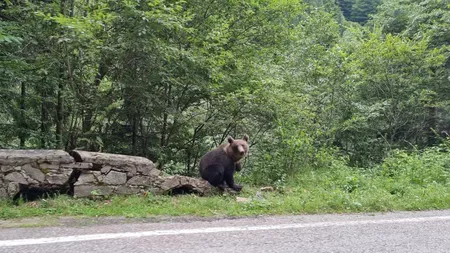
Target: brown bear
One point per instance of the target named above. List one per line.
(219, 165)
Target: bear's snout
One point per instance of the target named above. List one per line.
(241, 150)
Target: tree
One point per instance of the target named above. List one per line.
(346, 7)
(419, 20)
(362, 9)
(392, 77)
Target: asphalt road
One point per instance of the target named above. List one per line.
(389, 232)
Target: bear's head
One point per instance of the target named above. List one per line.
(237, 149)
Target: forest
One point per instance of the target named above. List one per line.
(313, 83)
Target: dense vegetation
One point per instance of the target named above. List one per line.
(314, 83)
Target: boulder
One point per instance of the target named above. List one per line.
(115, 178)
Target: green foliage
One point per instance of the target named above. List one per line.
(359, 11)
(431, 166)
(362, 9)
(389, 76)
(416, 19)
(346, 7)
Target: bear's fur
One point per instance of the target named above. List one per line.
(219, 165)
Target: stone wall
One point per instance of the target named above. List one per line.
(84, 174)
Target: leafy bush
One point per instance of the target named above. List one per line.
(420, 167)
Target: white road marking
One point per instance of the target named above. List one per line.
(106, 236)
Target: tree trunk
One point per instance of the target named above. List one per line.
(59, 102)
(431, 124)
(44, 118)
(72, 8)
(89, 112)
(59, 115)
(22, 122)
(164, 131)
(134, 135)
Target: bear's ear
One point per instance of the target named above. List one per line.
(230, 139)
(245, 137)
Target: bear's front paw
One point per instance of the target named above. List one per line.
(237, 187)
(221, 187)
